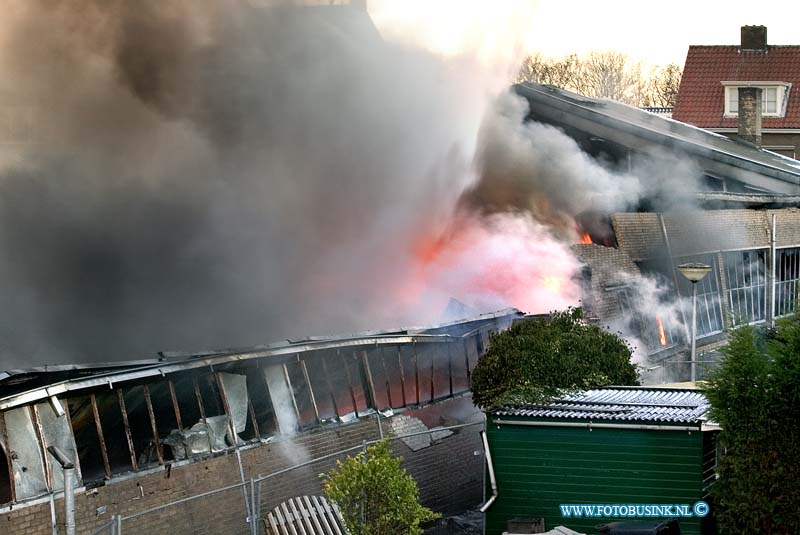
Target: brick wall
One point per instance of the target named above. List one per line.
(609, 267)
(693, 232)
(449, 473)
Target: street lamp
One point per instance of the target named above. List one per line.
(694, 272)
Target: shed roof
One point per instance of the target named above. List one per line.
(641, 404)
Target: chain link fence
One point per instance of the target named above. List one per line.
(677, 371)
(247, 504)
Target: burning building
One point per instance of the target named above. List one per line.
(145, 433)
(714, 200)
(225, 175)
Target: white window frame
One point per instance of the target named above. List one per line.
(782, 90)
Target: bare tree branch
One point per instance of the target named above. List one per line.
(611, 75)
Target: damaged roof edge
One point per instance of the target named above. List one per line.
(556, 106)
(161, 368)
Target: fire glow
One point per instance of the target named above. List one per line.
(586, 239)
(662, 336)
(497, 262)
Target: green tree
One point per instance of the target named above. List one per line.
(755, 398)
(541, 358)
(376, 495)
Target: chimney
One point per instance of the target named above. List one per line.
(750, 113)
(754, 38)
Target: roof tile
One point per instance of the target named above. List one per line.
(701, 97)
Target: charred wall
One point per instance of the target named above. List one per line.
(165, 425)
(736, 243)
(448, 472)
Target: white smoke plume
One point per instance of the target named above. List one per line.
(534, 168)
(651, 301)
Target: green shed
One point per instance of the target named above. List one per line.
(618, 445)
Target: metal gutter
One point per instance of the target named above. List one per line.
(748, 198)
(592, 425)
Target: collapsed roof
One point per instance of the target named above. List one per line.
(18, 387)
(618, 131)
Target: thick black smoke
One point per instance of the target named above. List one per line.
(181, 174)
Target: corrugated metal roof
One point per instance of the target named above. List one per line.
(309, 516)
(92, 376)
(622, 404)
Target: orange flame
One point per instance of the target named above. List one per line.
(586, 238)
(662, 337)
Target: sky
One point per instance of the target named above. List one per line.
(655, 33)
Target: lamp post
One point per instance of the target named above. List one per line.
(694, 272)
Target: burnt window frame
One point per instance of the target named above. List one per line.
(747, 285)
(787, 281)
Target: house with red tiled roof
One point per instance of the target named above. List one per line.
(749, 91)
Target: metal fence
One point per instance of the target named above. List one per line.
(246, 504)
(676, 371)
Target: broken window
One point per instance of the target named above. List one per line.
(709, 302)
(215, 428)
(234, 389)
(190, 436)
(747, 283)
(212, 403)
(163, 413)
(709, 307)
(262, 404)
(144, 442)
(87, 439)
(114, 435)
(303, 396)
(655, 331)
(321, 383)
(282, 398)
(200, 424)
(187, 400)
(786, 285)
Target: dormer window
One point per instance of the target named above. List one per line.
(773, 97)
